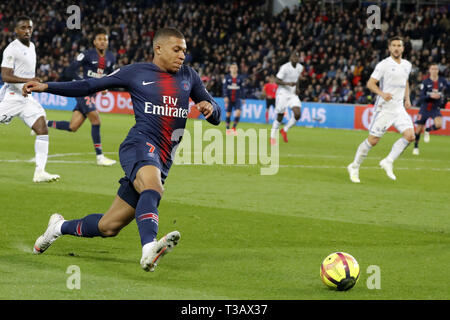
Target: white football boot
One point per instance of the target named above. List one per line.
(50, 235)
(43, 176)
(426, 137)
(354, 173)
(152, 252)
(104, 161)
(416, 151)
(389, 168)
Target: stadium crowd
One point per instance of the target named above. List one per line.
(337, 50)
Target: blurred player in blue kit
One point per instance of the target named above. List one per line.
(160, 93)
(432, 99)
(234, 93)
(96, 63)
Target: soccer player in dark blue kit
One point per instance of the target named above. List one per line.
(96, 63)
(233, 91)
(432, 98)
(160, 93)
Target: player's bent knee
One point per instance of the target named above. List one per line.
(148, 177)
(110, 233)
(95, 122)
(141, 185)
(41, 131)
(109, 229)
(40, 127)
(410, 138)
(373, 140)
(280, 117)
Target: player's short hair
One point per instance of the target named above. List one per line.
(21, 18)
(394, 38)
(167, 32)
(98, 31)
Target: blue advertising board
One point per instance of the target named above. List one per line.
(324, 115)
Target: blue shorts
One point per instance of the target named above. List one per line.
(234, 105)
(138, 151)
(85, 104)
(127, 192)
(423, 115)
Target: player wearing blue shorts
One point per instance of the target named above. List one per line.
(160, 93)
(96, 63)
(432, 98)
(233, 92)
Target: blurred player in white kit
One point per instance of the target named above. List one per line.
(18, 67)
(287, 79)
(393, 97)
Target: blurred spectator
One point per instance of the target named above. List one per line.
(336, 49)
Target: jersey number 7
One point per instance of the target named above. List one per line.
(152, 147)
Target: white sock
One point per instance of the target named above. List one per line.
(397, 149)
(275, 127)
(290, 123)
(361, 153)
(41, 150)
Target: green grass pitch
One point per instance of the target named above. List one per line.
(244, 235)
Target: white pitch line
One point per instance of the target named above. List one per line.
(289, 155)
(299, 155)
(344, 167)
(301, 166)
(49, 161)
(56, 155)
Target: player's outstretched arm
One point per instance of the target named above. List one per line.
(33, 86)
(117, 79)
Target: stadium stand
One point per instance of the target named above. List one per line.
(337, 50)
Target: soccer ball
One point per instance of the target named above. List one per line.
(339, 271)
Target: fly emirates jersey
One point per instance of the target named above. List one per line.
(160, 100)
(22, 59)
(288, 73)
(392, 77)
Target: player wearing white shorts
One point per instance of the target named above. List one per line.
(18, 66)
(389, 110)
(287, 93)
